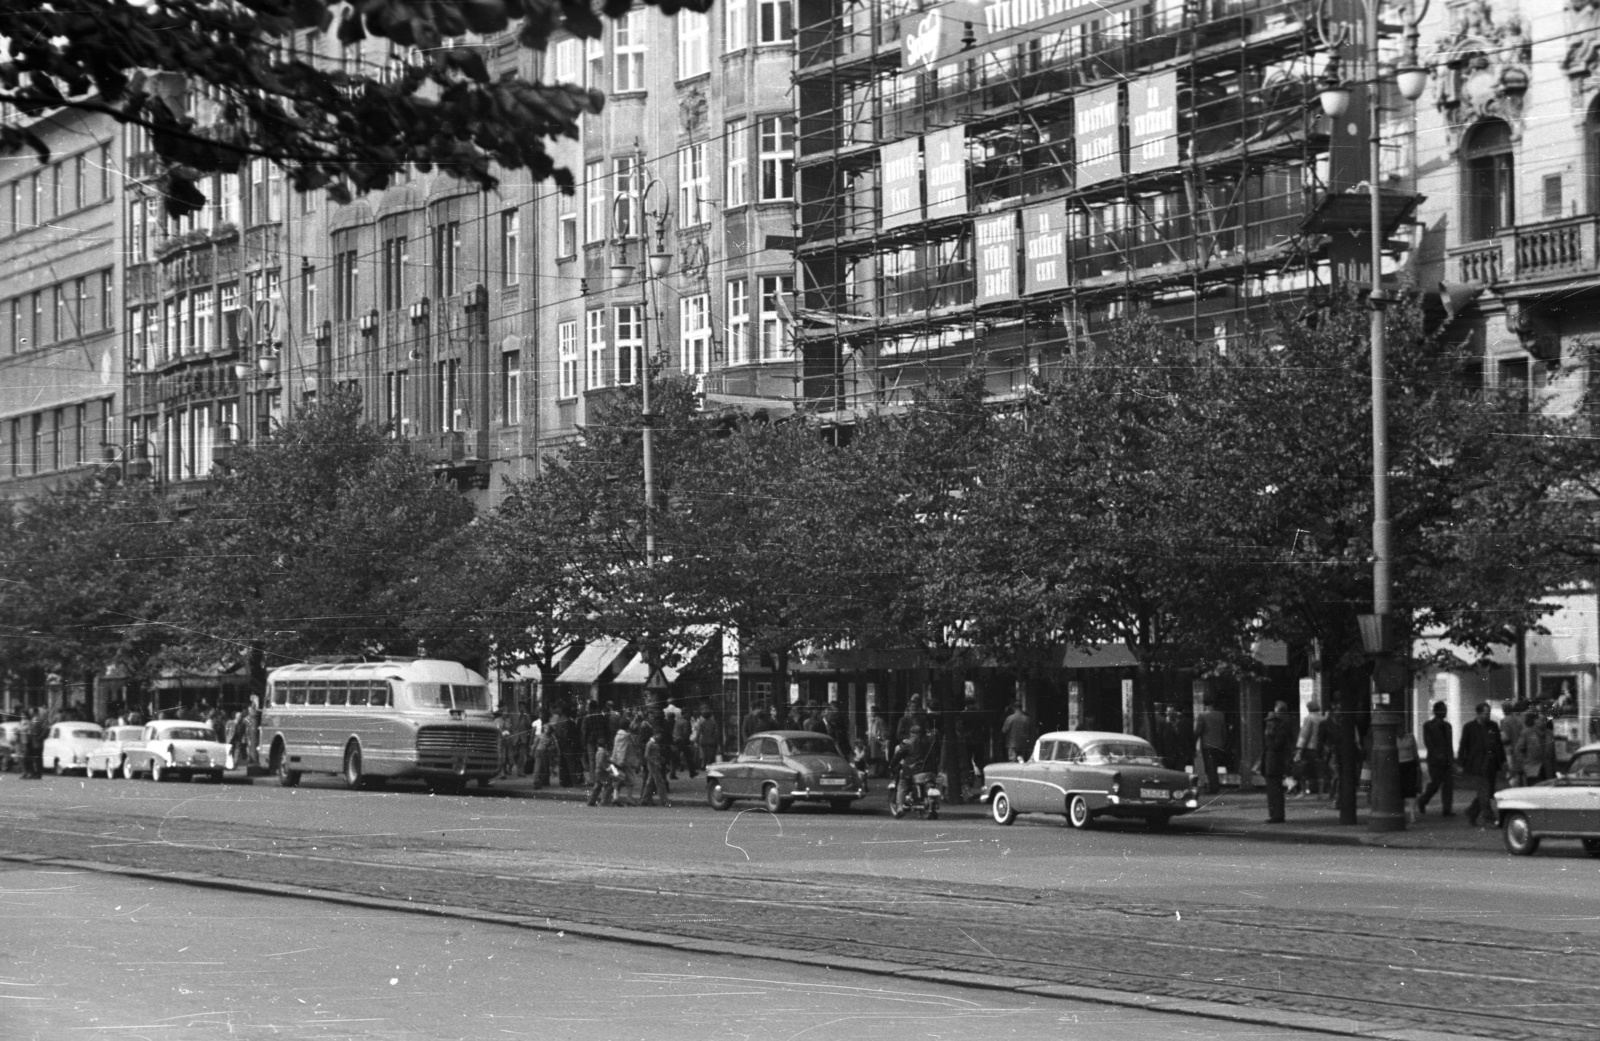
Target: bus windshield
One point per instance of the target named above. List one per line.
(451, 695)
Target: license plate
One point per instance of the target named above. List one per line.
(833, 782)
(1152, 793)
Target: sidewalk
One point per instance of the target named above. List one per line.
(1311, 821)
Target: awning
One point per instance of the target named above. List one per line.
(595, 659)
(638, 673)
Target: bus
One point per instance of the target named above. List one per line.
(370, 721)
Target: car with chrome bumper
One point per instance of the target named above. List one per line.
(1567, 807)
(1089, 775)
(109, 755)
(67, 746)
(782, 767)
(177, 748)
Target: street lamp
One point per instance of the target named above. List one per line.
(1411, 79)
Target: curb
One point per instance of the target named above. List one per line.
(1303, 1021)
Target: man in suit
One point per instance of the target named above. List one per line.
(1481, 755)
(1439, 747)
(1277, 755)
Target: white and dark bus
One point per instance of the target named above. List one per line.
(370, 721)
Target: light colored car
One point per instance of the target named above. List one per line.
(67, 746)
(109, 754)
(780, 767)
(1565, 808)
(177, 748)
(11, 745)
(1089, 774)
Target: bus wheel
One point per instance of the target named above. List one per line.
(287, 778)
(352, 766)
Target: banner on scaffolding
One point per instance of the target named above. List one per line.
(996, 239)
(1044, 248)
(1098, 125)
(901, 180)
(1153, 123)
(945, 161)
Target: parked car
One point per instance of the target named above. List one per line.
(782, 766)
(67, 746)
(1565, 808)
(1086, 775)
(177, 748)
(109, 754)
(11, 746)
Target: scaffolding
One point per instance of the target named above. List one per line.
(1001, 182)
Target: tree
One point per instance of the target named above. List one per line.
(339, 129)
(309, 546)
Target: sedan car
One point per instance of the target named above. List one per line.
(782, 766)
(109, 755)
(1565, 808)
(177, 748)
(67, 746)
(1087, 774)
(11, 741)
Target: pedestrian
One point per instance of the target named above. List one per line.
(570, 740)
(753, 724)
(878, 743)
(814, 721)
(623, 750)
(1511, 726)
(912, 717)
(1277, 758)
(31, 736)
(1438, 744)
(1481, 756)
(594, 731)
(603, 786)
(1410, 768)
(1308, 753)
(1529, 752)
(1017, 732)
(838, 729)
(1167, 743)
(545, 750)
(1183, 725)
(707, 737)
(655, 770)
(1549, 726)
(521, 738)
(1213, 727)
(972, 733)
(682, 744)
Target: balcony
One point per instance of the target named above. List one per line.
(1529, 254)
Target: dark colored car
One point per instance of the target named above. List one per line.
(782, 766)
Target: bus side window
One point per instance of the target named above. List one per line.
(337, 693)
(297, 693)
(358, 692)
(382, 696)
(318, 693)
(280, 695)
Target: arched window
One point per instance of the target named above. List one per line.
(1488, 185)
(1591, 134)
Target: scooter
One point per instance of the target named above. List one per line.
(924, 800)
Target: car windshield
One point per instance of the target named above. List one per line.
(124, 734)
(189, 734)
(1128, 751)
(451, 695)
(818, 745)
(83, 732)
(1586, 766)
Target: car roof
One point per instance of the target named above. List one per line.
(163, 723)
(787, 733)
(1088, 736)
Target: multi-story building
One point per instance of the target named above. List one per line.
(1512, 187)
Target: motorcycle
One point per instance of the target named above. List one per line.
(924, 798)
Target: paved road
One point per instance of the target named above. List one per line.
(114, 958)
(1450, 940)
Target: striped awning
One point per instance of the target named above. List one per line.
(638, 672)
(595, 659)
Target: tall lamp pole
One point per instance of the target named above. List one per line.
(1411, 79)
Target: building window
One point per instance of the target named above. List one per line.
(738, 322)
(510, 235)
(630, 343)
(394, 401)
(594, 54)
(594, 202)
(694, 334)
(694, 58)
(736, 25)
(737, 191)
(777, 20)
(449, 375)
(628, 46)
(308, 300)
(1487, 181)
(394, 273)
(1552, 196)
(775, 290)
(694, 208)
(777, 158)
(511, 386)
(567, 60)
(594, 335)
(107, 288)
(567, 360)
(205, 320)
(622, 175)
(566, 225)
(345, 272)
(446, 259)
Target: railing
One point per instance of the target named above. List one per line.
(1556, 248)
(1478, 262)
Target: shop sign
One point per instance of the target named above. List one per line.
(1044, 248)
(1005, 16)
(1098, 126)
(1153, 123)
(945, 158)
(997, 257)
(901, 178)
(929, 36)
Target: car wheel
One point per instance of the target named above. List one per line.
(1000, 807)
(717, 798)
(1158, 821)
(1520, 838)
(1078, 813)
(773, 801)
(1592, 847)
(352, 766)
(127, 770)
(158, 770)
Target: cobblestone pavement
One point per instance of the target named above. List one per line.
(1412, 977)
